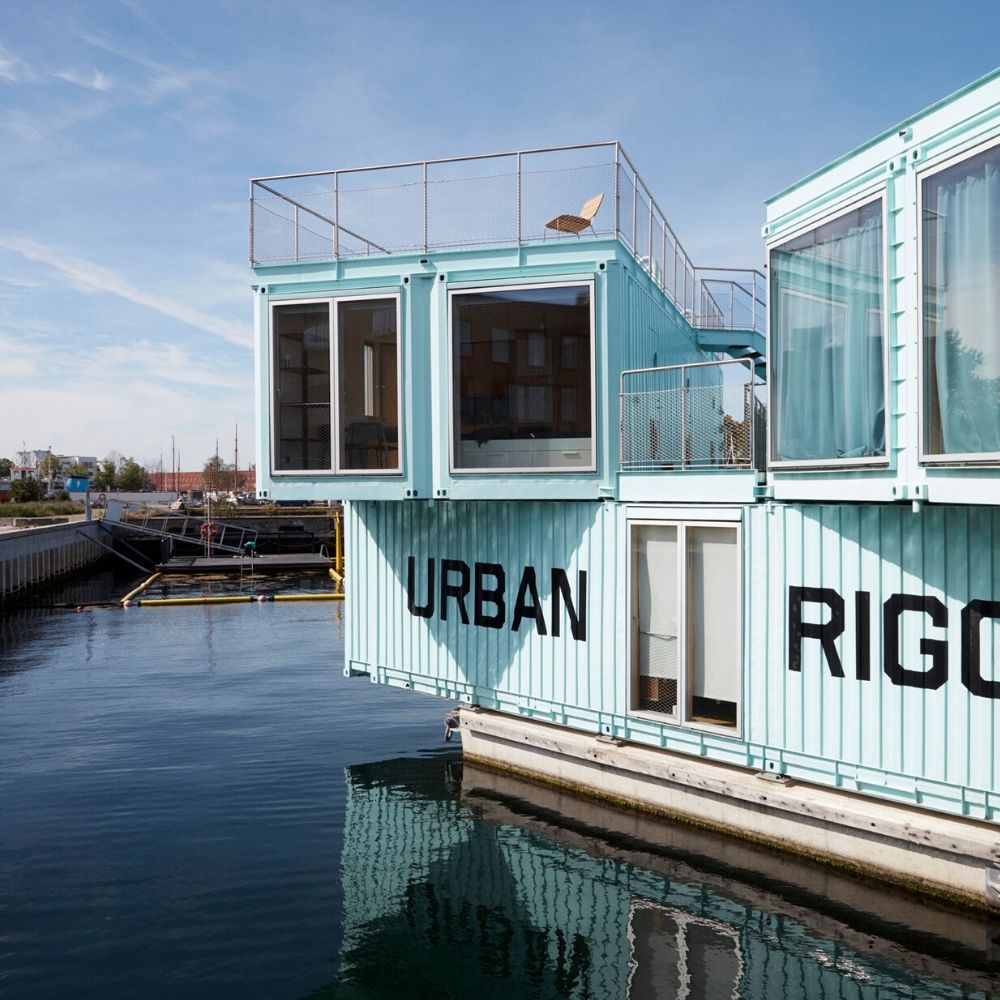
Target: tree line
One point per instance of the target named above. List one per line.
(115, 472)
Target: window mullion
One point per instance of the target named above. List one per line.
(334, 389)
(682, 624)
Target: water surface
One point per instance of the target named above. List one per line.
(194, 802)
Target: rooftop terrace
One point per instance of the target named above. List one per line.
(493, 200)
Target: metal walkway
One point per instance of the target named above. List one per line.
(230, 539)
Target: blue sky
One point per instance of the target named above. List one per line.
(129, 128)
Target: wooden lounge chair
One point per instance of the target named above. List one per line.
(577, 223)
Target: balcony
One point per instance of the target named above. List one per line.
(704, 417)
(495, 200)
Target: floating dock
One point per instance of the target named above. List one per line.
(236, 564)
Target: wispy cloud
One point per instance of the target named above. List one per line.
(94, 80)
(156, 362)
(136, 395)
(163, 81)
(13, 69)
(98, 278)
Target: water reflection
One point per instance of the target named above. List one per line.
(243, 581)
(473, 884)
(174, 821)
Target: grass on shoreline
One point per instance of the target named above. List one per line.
(40, 508)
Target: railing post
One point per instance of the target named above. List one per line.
(518, 197)
(253, 254)
(635, 201)
(336, 215)
(621, 421)
(649, 255)
(295, 231)
(732, 297)
(663, 261)
(618, 193)
(425, 206)
(684, 447)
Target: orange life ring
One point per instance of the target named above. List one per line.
(208, 530)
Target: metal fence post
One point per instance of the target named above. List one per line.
(650, 252)
(635, 201)
(684, 445)
(618, 193)
(663, 259)
(336, 215)
(621, 421)
(253, 249)
(295, 236)
(519, 198)
(425, 206)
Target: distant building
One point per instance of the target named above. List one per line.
(89, 463)
(244, 480)
(28, 464)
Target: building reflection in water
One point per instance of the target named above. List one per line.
(480, 885)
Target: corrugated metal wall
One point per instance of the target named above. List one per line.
(495, 667)
(937, 746)
(652, 331)
(932, 747)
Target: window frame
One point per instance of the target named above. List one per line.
(589, 283)
(332, 302)
(935, 459)
(832, 215)
(680, 721)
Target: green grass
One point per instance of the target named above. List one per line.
(40, 508)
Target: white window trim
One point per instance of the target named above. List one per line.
(334, 470)
(678, 721)
(450, 421)
(936, 459)
(878, 461)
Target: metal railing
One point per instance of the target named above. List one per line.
(700, 416)
(494, 199)
(731, 299)
(228, 538)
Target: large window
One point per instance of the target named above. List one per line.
(827, 343)
(302, 386)
(686, 622)
(353, 346)
(522, 378)
(961, 309)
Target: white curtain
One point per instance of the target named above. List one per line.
(962, 306)
(827, 348)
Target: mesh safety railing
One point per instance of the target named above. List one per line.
(490, 200)
(702, 416)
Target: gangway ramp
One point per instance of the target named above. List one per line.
(228, 538)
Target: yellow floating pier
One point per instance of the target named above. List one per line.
(232, 599)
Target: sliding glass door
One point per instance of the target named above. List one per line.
(686, 601)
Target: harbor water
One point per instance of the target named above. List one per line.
(195, 802)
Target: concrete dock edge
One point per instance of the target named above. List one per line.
(950, 858)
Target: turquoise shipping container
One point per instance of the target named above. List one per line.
(598, 490)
